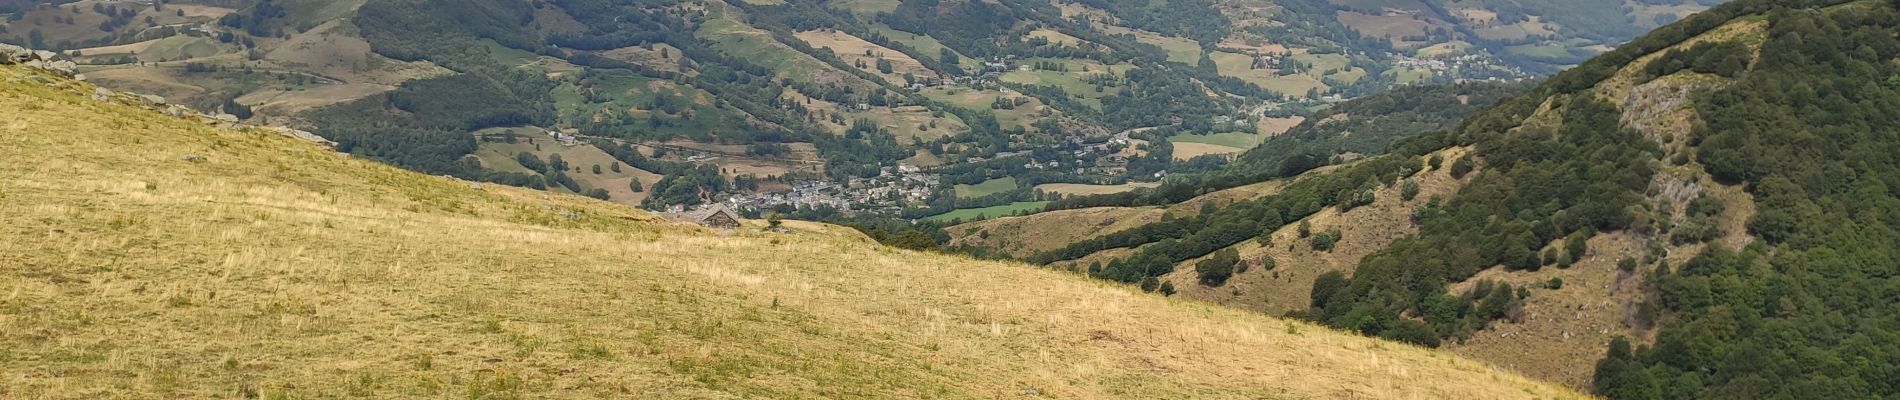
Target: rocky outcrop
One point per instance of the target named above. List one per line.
(41, 59)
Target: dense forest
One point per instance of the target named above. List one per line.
(1804, 312)
(1807, 311)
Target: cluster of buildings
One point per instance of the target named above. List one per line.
(887, 192)
(1458, 65)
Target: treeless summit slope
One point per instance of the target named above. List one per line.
(145, 256)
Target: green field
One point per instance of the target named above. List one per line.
(1550, 50)
(1072, 81)
(986, 188)
(1405, 75)
(1022, 116)
(180, 48)
(1241, 140)
(972, 214)
(507, 55)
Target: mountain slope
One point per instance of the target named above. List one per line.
(148, 256)
(1658, 222)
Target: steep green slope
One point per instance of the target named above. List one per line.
(146, 256)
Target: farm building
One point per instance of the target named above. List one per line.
(717, 217)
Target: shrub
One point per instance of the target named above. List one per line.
(1325, 241)
(1463, 166)
(1215, 270)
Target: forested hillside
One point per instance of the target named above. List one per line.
(1718, 183)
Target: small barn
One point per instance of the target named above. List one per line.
(717, 217)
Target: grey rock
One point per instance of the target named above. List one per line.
(44, 55)
(305, 136)
(10, 54)
(62, 67)
(153, 99)
(226, 117)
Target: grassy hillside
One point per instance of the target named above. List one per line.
(1024, 236)
(147, 256)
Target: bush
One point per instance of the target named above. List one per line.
(1463, 166)
(1325, 241)
(1149, 284)
(1215, 270)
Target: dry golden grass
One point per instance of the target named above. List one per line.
(129, 48)
(334, 49)
(1027, 235)
(1393, 27)
(1271, 126)
(580, 158)
(1189, 150)
(904, 122)
(1232, 195)
(852, 48)
(1079, 189)
(275, 268)
(1023, 236)
(1056, 37)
